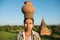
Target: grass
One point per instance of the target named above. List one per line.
(13, 36)
(7, 36)
(10, 36)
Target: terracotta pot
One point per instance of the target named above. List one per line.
(28, 8)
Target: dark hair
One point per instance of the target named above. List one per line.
(28, 18)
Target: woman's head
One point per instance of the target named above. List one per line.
(28, 23)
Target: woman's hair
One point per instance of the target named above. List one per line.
(28, 18)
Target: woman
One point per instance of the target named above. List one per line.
(28, 33)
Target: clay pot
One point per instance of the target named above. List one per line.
(28, 9)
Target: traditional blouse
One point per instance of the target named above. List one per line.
(34, 36)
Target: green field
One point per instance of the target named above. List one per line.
(11, 36)
(7, 36)
(10, 32)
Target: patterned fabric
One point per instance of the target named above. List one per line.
(35, 36)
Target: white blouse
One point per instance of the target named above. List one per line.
(27, 38)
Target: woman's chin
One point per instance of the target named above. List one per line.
(28, 29)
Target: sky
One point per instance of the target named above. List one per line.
(11, 14)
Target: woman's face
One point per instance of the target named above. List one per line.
(28, 24)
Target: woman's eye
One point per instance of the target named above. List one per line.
(30, 23)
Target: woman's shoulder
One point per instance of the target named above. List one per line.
(20, 33)
(35, 33)
(37, 36)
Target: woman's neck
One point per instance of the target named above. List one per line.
(28, 33)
